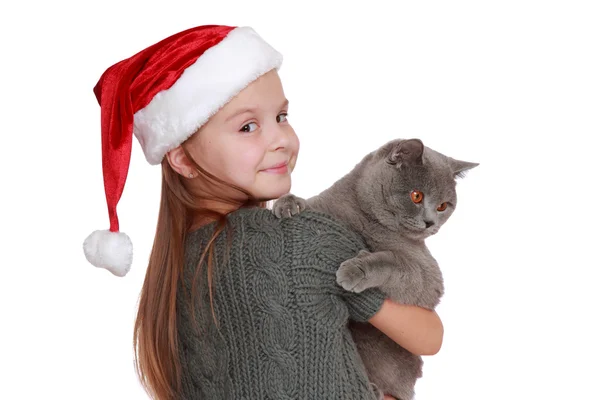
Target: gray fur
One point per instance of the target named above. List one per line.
(374, 199)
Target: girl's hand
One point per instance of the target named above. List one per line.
(388, 397)
(417, 329)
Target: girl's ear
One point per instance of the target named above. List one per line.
(179, 162)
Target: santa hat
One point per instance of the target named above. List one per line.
(162, 95)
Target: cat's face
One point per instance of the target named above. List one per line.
(412, 188)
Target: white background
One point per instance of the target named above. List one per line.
(513, 85)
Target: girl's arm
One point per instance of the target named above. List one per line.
(417, 329)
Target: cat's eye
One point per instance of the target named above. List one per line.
(416, 196)
(442, 206)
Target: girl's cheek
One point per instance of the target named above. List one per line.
(250, 157)
(297, 143)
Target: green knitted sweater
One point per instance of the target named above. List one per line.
(282, 319)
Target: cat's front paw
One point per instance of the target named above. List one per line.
(351, 275)
(288, 205)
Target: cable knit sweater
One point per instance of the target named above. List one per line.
(282, 319)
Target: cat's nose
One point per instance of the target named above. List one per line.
(428, 224)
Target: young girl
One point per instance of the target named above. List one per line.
(236, 304)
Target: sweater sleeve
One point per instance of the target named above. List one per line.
(337, 244)
(362, 306)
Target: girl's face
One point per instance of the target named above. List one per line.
(249, 142)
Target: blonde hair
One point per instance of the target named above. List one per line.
(155, 339)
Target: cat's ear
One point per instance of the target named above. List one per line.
(407, 152)
(460, 168)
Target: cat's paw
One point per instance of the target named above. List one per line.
(351, 275)
(378, 393)
(288, 205)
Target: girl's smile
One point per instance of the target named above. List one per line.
(281, 168)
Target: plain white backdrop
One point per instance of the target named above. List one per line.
(513, 85)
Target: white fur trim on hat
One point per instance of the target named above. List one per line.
(216, 77)
(109, 250)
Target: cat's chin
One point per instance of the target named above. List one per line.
(422, 236)
(430, 232)
(414, 233)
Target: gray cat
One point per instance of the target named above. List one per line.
(396, 197)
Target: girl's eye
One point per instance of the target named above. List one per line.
(416, 196)
(442, 206)
(247, 127)
(282, 117)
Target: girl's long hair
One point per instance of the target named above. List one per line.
(155, 339)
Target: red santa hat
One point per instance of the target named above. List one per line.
(162, 95)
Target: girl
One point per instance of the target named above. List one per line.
(236, 304)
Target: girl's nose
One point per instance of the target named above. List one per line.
(278, 137)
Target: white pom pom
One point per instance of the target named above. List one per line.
(109, 250)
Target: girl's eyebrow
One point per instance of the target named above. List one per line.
(251, 109)
(239, 112)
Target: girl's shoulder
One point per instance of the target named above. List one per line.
(262, 224)
(307, 222)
